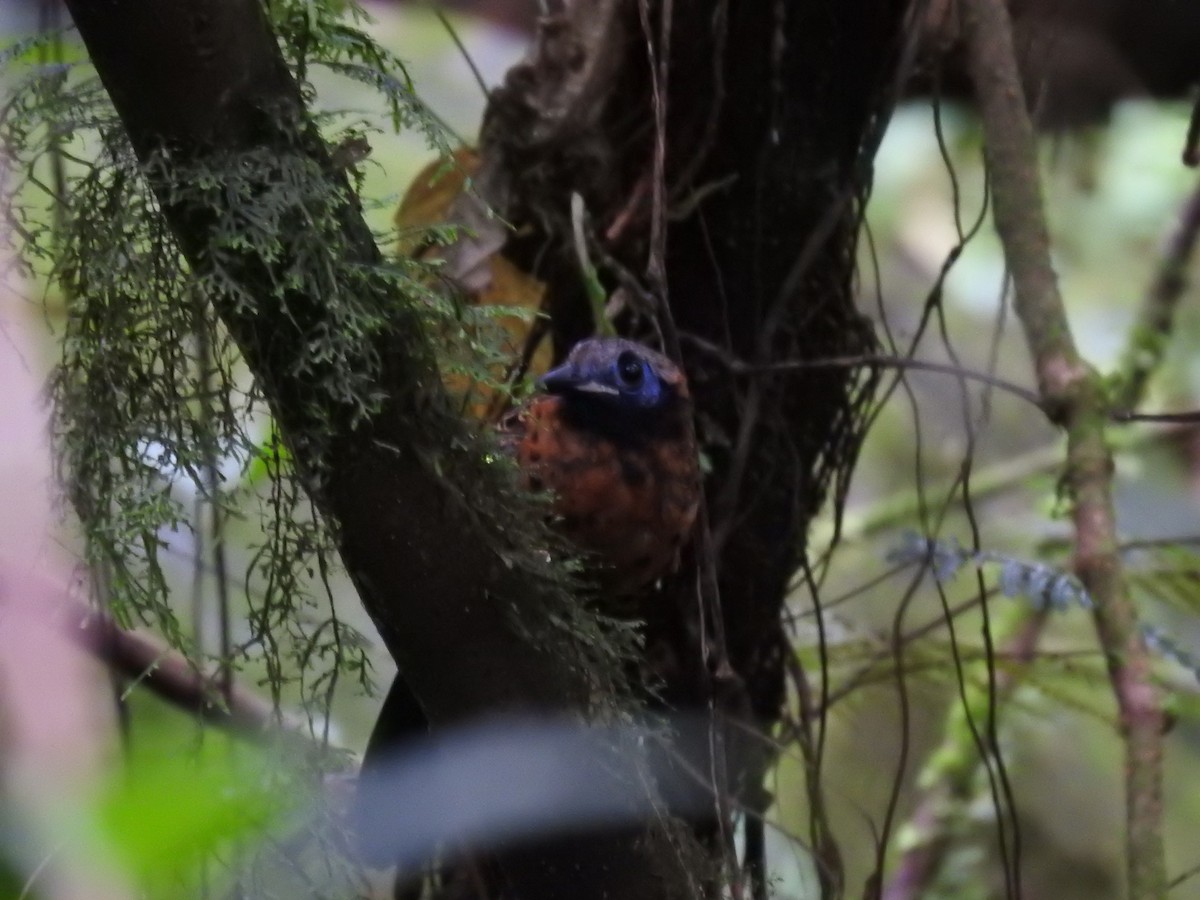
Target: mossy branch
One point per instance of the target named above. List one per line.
(1074, 395)
(948, 783)
(229, 104)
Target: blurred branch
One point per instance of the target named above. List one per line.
(168, 674)
(1187, 417)
(150, 662)
(58, 735)
(1151, 333)
(1074, 396)
(947, 783)
(903, 506)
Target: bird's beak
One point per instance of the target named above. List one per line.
(565, 379)
(558, 381)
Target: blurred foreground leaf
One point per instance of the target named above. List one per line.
(164, 816)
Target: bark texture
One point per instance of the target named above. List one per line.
(772, 114)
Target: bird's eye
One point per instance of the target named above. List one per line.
(630, 369)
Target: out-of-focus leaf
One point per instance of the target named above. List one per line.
(1169, 574)
(173, 809)
(490, 345)
(428, 199)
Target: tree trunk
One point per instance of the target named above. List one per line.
(772, 113)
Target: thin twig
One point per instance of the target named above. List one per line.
(995, 479)
(985, 736)
(1073, 395)
(927, 837)
(897, 647)
(951, 772)
(453, 32)
(1183, 877)
(726, 501)
(741, 367)
(900, 362)
(1189, 417)
(866, 360)
(1149, 336)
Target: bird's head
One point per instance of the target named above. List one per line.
(621, 390)
(617, 373)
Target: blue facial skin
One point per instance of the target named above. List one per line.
(621, 398)
(627, 381)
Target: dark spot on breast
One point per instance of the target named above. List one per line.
(536, 483)
(534, 456)
(633, 472)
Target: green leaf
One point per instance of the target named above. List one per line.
(170, 810)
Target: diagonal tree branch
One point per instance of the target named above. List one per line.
(948, 778)
(948, 782)
(1075, 399)
(1150, 334)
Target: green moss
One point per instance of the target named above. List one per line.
(153, 391)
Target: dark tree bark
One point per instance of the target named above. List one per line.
(773, 115)
(1078, 58)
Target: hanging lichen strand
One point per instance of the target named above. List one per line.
(152, 390)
